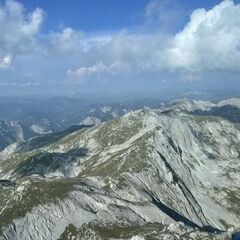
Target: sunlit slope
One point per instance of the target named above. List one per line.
(150, 166)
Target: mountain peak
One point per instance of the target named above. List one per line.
(167, 165)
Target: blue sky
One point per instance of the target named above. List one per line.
(90, 15)
(118, 45)
(107, 15)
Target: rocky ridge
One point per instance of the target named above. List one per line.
(147, 175)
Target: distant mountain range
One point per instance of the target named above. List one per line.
(166, 173)
(23, 118)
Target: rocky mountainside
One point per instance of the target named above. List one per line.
(151, 174)
(37, 116)
(10, 132)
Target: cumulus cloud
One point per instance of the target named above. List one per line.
(67, 40)
(82, 74)
(72, 41)
(121, 54)
(16, 27)
(209, 42)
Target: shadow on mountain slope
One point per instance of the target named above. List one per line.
(228, 112)
(46, 163)
(47, 139)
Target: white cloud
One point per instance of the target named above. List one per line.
(87, 71)
(5, 61)
(67, 40)
(210, 41)
(71, 41)
(79, 75)
(18, 29)
(33, 23)
(123, 53)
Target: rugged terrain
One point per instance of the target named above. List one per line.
(23, 118)
(171, 173)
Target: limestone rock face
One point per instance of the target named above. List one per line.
(151, 174)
